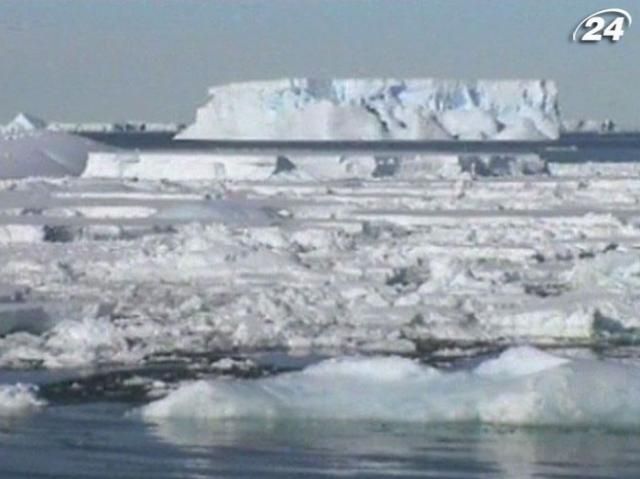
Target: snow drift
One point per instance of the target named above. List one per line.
(378, 109)
(522, 386)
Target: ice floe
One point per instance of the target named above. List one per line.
(523, 386)
(18, 400)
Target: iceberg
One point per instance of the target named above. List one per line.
(375, 109)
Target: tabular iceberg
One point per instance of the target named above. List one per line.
(373, 109)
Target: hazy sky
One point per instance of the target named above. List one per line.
(94, 60)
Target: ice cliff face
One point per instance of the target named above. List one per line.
(379, 109)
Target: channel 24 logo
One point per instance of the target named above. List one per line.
(609, 23)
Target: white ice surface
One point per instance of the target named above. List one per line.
(41, 153)
(376, 109)
(301, 263)
(183, 166)
(178, 166)
(18, 400)
(520, 128)
(522, 386)
(473, 124)
(223, 211)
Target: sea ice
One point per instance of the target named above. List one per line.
(35, 152)
(18, 400)
(229, 212)
(523, 386)
(178, 166)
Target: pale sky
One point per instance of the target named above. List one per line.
(113, 60)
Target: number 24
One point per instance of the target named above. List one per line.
(614, 30)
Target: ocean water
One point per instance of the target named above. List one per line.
(522, 414)
(103, 441)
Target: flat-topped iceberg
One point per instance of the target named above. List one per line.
(373, 109)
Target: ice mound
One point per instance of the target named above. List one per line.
(69, 343)
(88, 341)
(520, 361)
(36, 152)
(18, 400)
(375, 109)
(523, 386)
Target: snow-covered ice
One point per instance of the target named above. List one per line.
(390, 264)
(18, 400)
(146, 254)
(523, 386)
(309, 108)
(178, 166)
(172, 166)
(27, 149)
